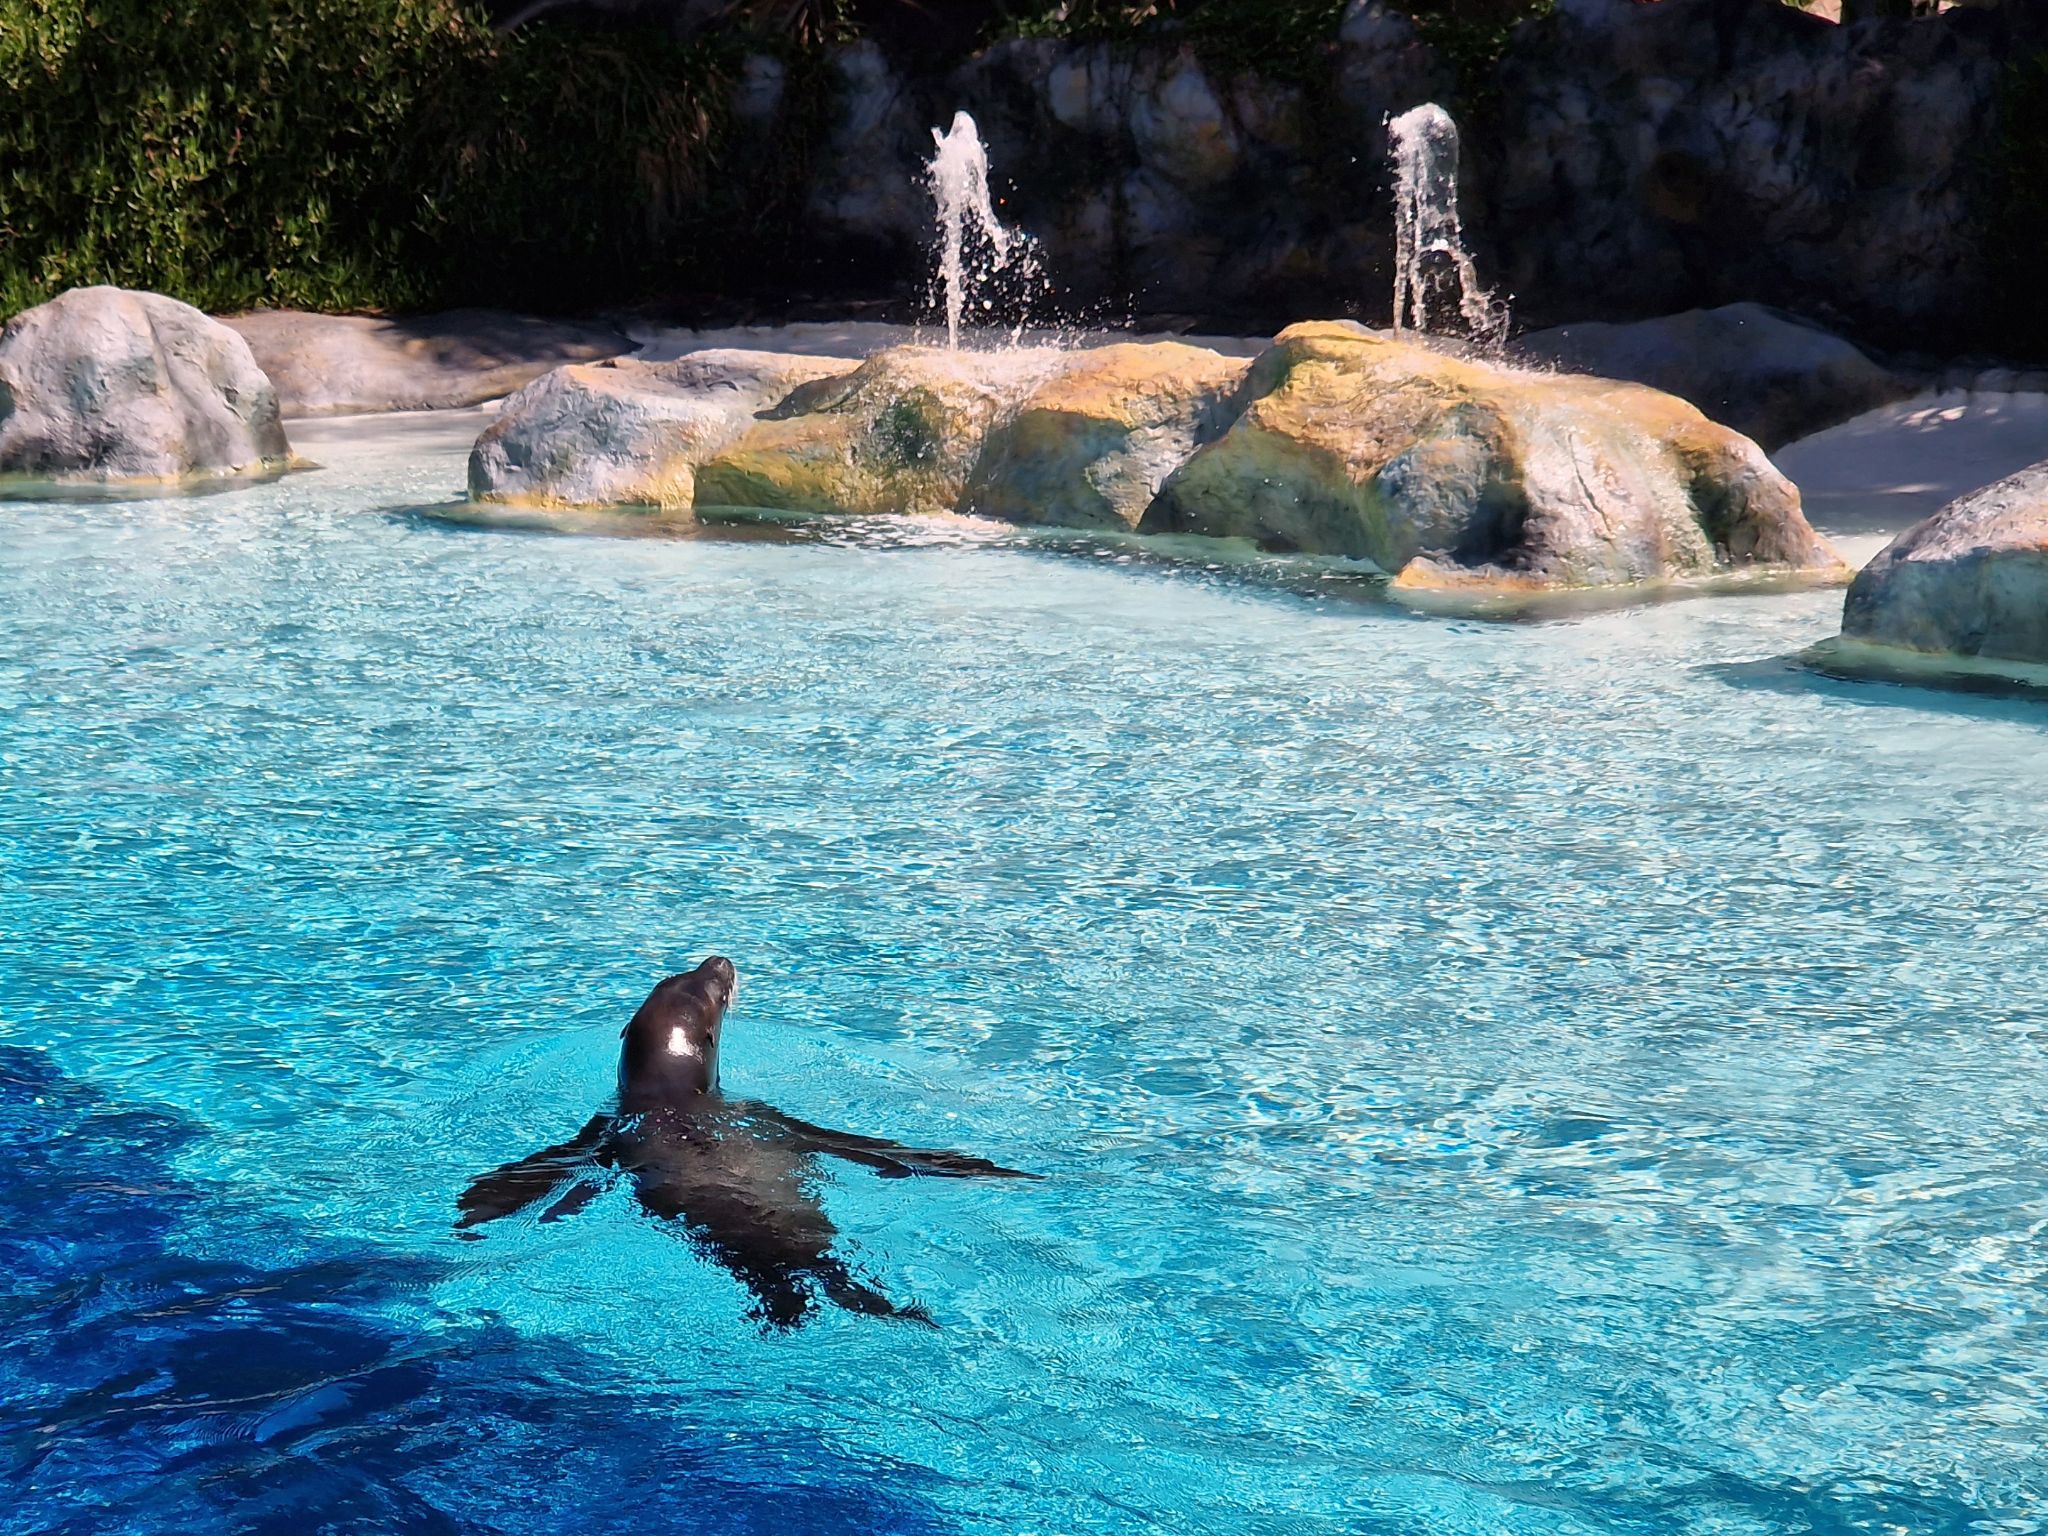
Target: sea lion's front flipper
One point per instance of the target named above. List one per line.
(891, 1159)
(508, 1190)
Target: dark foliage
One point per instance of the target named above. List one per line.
(344, 154)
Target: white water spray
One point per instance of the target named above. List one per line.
(959, 181)
(1429, 241)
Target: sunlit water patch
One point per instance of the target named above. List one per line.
(1562, 1078)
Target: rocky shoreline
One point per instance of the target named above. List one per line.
(1466, 484)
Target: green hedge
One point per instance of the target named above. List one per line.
(341, 154)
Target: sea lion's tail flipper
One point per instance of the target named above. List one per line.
(508, 1190)
(891, 1159)
(843, 1289)
(785, 1297)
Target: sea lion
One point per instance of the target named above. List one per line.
(736, 1173)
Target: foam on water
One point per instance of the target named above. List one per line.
(1562, 1079)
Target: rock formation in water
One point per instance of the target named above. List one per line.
(103, 384)
(1446, 474)
(1969, 587)
(901, 433)
(1454, 475)
(627, 433)
(1091, 446)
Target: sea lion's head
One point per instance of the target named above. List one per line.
(671, 1044)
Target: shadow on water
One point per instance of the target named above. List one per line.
(1975, 698)
(145, 1390)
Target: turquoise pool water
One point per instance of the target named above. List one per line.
(1569, 1078)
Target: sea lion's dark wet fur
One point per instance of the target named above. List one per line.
(736, 1173)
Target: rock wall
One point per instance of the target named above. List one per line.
(1693, 152)
(1625, 159)
(1154, 180)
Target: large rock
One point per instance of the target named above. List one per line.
(337, 365)
(1454, 475)
(1090, 447)
(110, 385)
(627, 433)
(1451, 476)
(901, 433)
(1771, 377)
(1968, 587)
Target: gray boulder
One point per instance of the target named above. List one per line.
(1771, 377)
(106, 384)
(1970, 584)
(630, 434)
(341, 365)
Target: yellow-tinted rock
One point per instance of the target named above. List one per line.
(1090, 447)
(899, 434)
(1452, 474)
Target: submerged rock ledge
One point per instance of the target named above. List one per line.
(1451, 477)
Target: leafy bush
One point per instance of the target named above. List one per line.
(352, 153)
(1470, 36)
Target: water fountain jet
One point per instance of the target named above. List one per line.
(959, 180)
(1424, 143)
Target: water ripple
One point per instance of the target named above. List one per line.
(1528, 1079)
